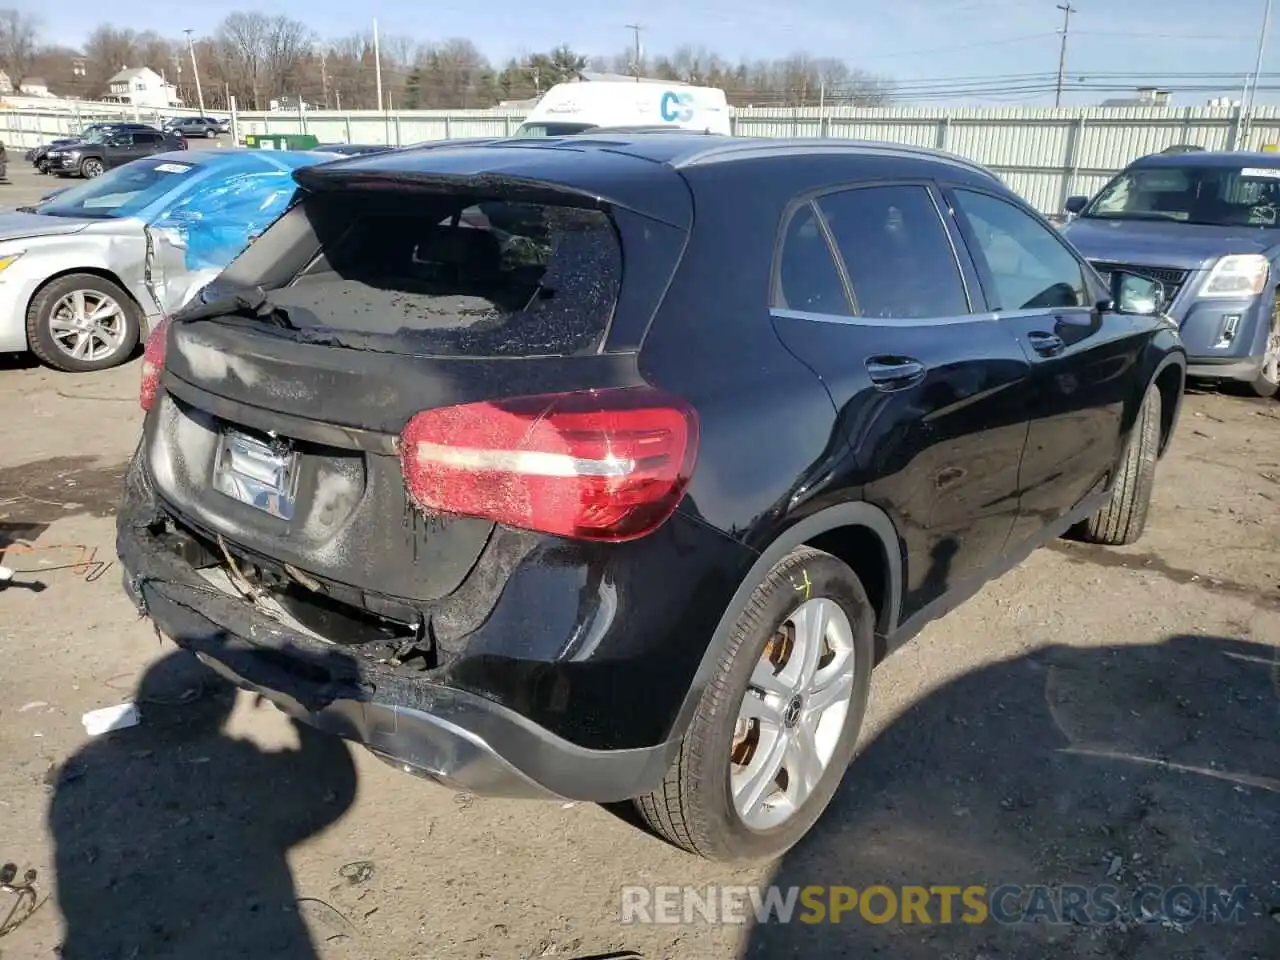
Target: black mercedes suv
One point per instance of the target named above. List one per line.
(608, 467)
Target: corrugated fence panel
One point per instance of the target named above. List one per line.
(1010, 145)
(1044, 153)
(916, 133)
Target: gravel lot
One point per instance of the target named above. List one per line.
(1096, 716)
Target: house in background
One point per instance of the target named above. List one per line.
(34, 87)
(141, 87)
(6, 85)
(290, 104)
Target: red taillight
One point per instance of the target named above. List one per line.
(153, 363)
(596, 464)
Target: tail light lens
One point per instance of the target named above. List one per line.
(153, 364)
(596, 465)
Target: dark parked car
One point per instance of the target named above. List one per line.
(36, 156)
(500, 461)
(1207, 226)
(112, 148)
(207, 127)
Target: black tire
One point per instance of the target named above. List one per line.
(209, 134)
(693, 808)
(92, 167)
(39, 313)
(1124, 517)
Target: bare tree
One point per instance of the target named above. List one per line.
(262, 56)
(288, 46)
(257, 57)
(18, 35)
(56, 65)
(109, 50)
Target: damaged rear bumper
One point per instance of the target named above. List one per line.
(438, 732)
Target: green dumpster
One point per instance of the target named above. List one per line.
(281, 141)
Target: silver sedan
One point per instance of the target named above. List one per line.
(88, 271)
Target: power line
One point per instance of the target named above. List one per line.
(957, 48)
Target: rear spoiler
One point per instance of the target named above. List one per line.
(671, 205)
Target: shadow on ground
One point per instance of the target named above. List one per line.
(18, 361)
(1125, 765)
(171, 836)
(39, 493)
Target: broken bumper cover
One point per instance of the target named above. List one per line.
(447, 735)
(1204, 368)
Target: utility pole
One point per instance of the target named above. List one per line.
(324, 80)
(1247, 106)
(377, 63)
(195, 69)
(635, 29)
(1067, 10)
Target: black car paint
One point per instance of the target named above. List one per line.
(115, 151)
(928, 489)
(36, 154)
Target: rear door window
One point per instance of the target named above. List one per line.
(458, 274)
(897, 253)
(808, 278)
(1030, 267)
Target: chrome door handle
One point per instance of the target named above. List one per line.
(895, 373)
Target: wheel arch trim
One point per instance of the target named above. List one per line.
(1174, 358)
(854, 514)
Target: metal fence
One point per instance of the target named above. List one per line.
(1045, 154)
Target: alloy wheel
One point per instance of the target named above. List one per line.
(87, 325)
(793, 713)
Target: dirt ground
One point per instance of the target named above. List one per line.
(1096, 716)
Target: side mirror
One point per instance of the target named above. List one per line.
(1135, 294)
(1075, 205)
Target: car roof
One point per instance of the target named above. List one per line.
(676, 149)
(1211, 158)
(636, 172)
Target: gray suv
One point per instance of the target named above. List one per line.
(209, 127)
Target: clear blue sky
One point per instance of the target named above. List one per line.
(906, 40)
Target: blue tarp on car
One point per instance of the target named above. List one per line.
(241, 196)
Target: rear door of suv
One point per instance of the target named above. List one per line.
(389, 297)
(928, 386)
(134, 144)
(1081, 356)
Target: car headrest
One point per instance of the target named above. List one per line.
(465, 248)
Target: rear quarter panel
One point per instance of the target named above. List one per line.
(766, 422)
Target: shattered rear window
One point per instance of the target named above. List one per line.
(444, 274)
